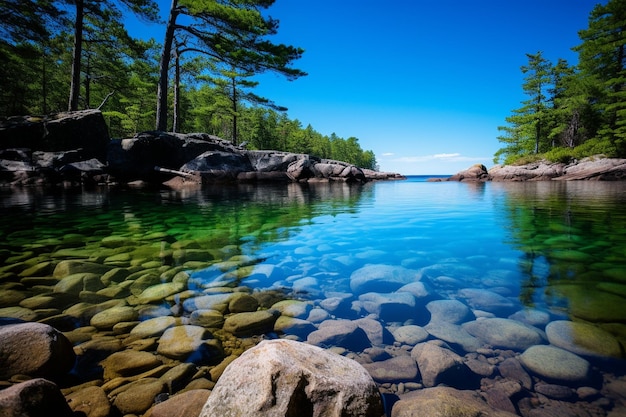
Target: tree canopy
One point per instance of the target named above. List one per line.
(201, 73)
(574, 111)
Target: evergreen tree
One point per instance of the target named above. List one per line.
(99, 9)
(528, 128)
(602, 61)
(28, 21)
(232, 31)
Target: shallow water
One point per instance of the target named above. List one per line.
(550, 249)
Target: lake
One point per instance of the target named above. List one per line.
(490, 271)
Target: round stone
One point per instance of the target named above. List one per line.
(108, 318)
(504, 333)
(555, 364)
(583, 339)
(410, 335)
(451, 311)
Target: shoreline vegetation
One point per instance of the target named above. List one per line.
(572, 111)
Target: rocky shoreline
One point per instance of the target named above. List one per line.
(74, 149)
(594, 168)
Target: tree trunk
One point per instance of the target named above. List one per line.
(176, 91)
(234, 111)
(44, 82)
(161, 111)
(77, 53)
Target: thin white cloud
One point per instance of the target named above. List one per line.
(388, 154)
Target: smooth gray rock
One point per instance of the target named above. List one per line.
(450, 311)
(438, 365)
(556, 364)
(286, 378)
(454, 334)
(381, 278)
(396, 369)
(504, 333)
(389, 307)
(410, 335)
(342, 333)
(486, 300)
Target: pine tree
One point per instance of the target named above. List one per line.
(528, 128)
(145, 9)
(602, 60)
(232, 31)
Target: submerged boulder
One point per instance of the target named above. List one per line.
(288, 378)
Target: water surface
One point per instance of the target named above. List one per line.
(551, 249)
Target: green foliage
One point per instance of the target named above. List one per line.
(120, 74)
(573, 112)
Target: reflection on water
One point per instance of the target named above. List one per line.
(541, 262)
(573, 237)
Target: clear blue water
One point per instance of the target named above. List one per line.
(557, 248)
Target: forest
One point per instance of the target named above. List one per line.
(573, 111)
(68, 55)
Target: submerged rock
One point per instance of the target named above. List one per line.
(396, 369)
(284, 378)
(444, 401)
(504, 333)
(191, 343)
(251, 323)
(381, 278)
(438, 365)
(342, 333)
(556, 364)
(583, 339)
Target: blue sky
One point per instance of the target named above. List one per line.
(422, 83)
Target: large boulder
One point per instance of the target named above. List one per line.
(86, 130)
(287, 378)
(474, 173)
(137, 157)
(34, 349)
(218, 165)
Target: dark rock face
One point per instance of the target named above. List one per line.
(75, 149)
(61, 132)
